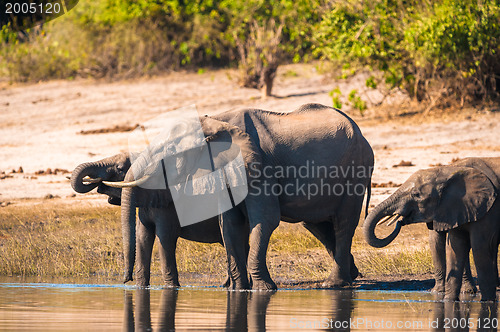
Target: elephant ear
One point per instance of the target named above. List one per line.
(225, 134)
(466, 196)
(217, 175)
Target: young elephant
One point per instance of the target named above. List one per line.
(460, 198)
(156, 217)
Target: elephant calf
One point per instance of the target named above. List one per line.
(461, 199)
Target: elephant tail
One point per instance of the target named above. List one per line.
(368, 196)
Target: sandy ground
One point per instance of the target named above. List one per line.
(41, 125)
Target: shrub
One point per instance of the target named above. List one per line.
(447, 50)
(268, 33)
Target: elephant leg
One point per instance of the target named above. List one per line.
(437, 243)
(324, 233)
(344, 226)
(341, 272)
(485, 256)
(168, 231)
(259, 241)
(227, 282)
(264, 218)
(457, 248)
(468, 283)
(235, 235)
(145, 234)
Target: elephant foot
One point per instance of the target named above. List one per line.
(438, 288)
(355, 273)
(450, 299)
(227, 282)
(238, 284)
(336, 284)
(127, 277)
(468, 288)
(259, 284)
(141, 284)
(171, 284)
(339, 280)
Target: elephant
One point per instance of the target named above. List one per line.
(156, 216)
(460, 198)
(321, 141)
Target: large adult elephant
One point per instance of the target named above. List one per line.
(157, 216)
(461, 199)
(312, 165)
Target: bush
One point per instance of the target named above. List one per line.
(117, 38)
(447, 50)
(268, 33)
(122, 38)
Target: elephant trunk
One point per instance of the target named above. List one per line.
(93, 169)
(384, 209)
(128, 215)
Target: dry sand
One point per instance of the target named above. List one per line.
(41, 125)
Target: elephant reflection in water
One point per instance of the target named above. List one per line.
(245, 310)
(142, 319)
(342, 309)
(456, 316)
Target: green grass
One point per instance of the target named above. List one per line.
(77, 240)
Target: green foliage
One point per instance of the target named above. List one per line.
(121, 38)
(353, 99)
(371, 83)
(356, 101)
(268, 33)
(118, 38)
(437, 51)
(336, 94)
(447, 48)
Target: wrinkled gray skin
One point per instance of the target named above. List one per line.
(313, 133)
(156, 217)
(461, 199)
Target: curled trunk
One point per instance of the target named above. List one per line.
(93, 170)
(386, 208)
(128, 215)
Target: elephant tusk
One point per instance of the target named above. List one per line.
(384, 219)
(88, 180)
(396, 218)
(126, 184)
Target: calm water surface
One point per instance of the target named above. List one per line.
(86, 307)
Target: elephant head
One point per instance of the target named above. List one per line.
(90, 175)
(151, 176)
(444, 197)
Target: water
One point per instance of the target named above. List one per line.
(86, 307)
